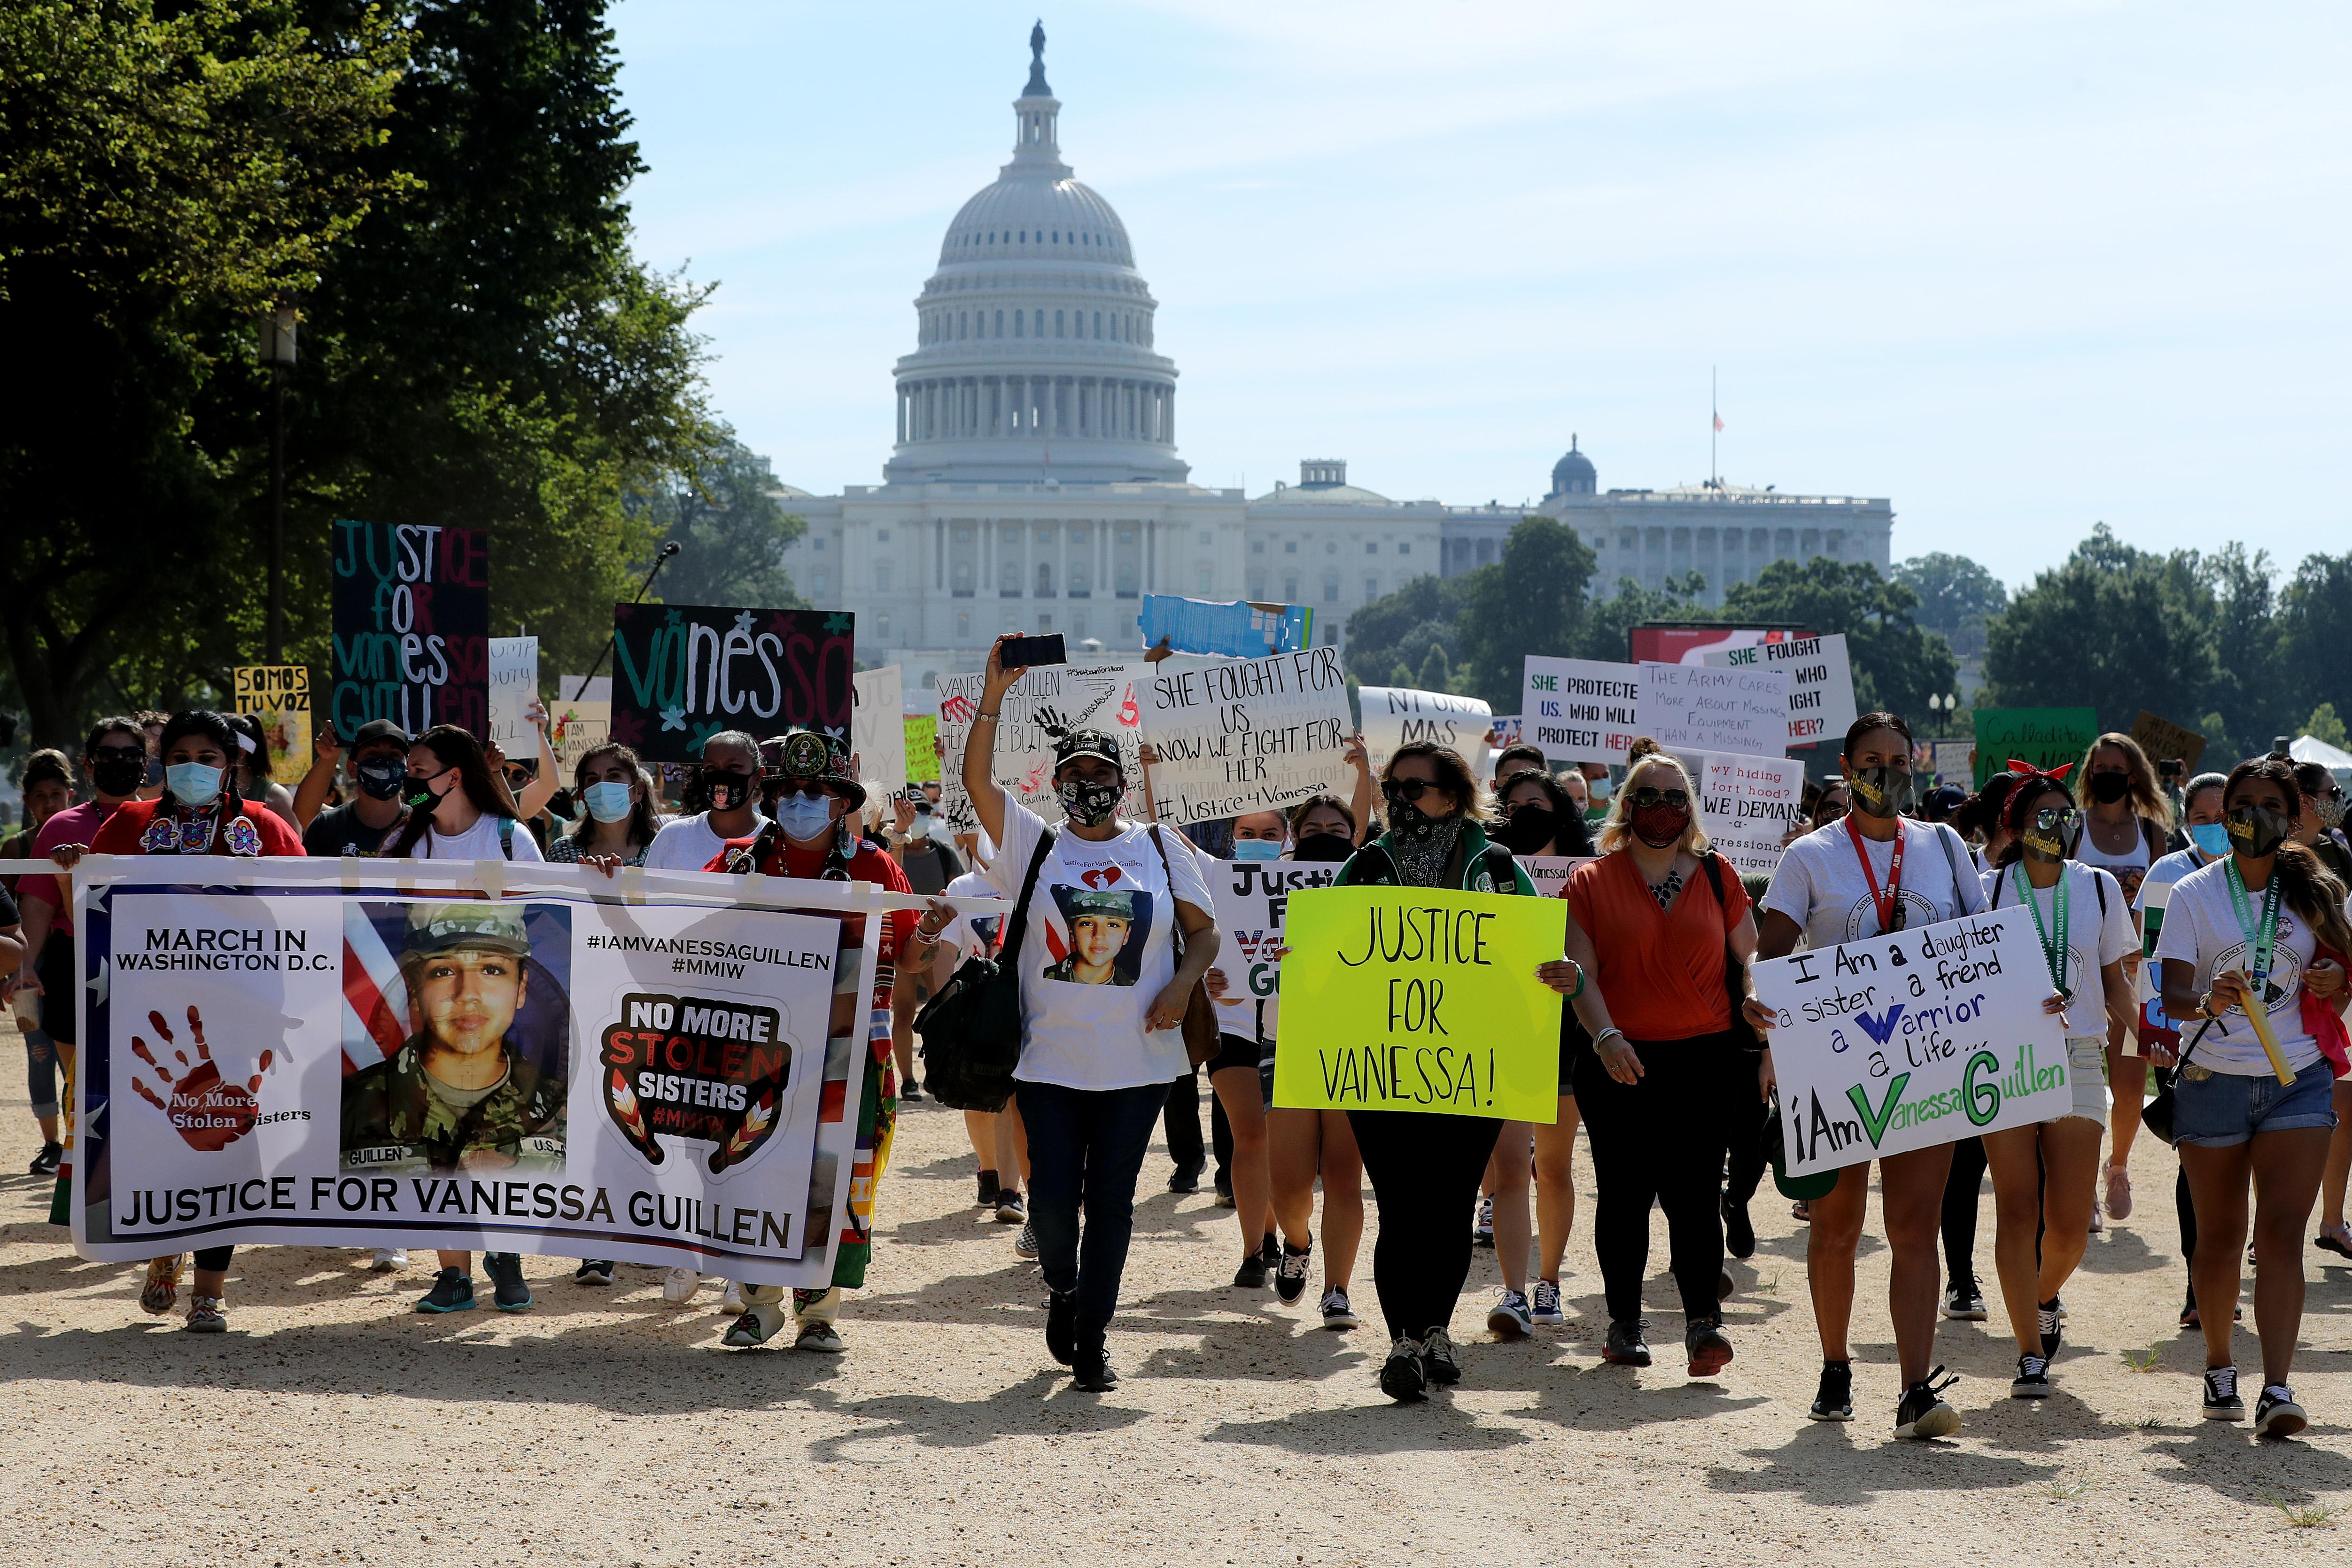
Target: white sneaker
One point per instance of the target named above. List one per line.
(678, 1285)
(388, 1258)
(731, 1301)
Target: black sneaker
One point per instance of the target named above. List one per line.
(1437, 1362)
(2053, 1324)
(593, 1271)
(1269, 1248)
(1925, 1413)
(986, 1197)
(1626, 1346)
(2032, 1379)
(1223, 1183)
(453, 1291)
(2223, 1401)
(1090, 1373)
(46, 1163)
(1401, 1377)
(1251, 1275)
(1185, 1178)
(1738, 1230)
(1834, 1401)
(911, 1091)
(1290, 1273)
(1010, 1210)
(505, 1270)
(1062, 1325)
(1964, 1300)
(1708, 1347)
(2276, 1415)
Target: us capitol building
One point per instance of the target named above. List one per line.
(1034, 483)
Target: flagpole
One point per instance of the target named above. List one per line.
(1714, 429)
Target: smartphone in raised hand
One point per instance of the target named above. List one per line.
(1027, 653)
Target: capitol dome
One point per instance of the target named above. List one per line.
(1034, 356)
(1573, 475)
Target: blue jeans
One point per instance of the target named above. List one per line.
(41, 1071)
(1086, 1146)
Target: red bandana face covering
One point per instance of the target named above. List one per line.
(1661, 825)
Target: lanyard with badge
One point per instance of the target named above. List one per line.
(2261, 941)
(1890, 901)
(2053, 954)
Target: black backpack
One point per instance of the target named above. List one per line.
(971, 1026)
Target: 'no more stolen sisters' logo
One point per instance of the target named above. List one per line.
(680, 1067)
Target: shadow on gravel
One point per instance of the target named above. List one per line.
(1827, 1465)
(2226, 1458)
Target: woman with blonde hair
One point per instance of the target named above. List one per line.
(2126, 821)
(1658, 923)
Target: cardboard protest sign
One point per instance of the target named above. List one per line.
(411, 610)
(1253, 900)
(681, 1079)
(1955, 761)
(1580, 710)
(2162, 739)
(1905, 1041)
(1048, 699)
(1821, 682)
(1420, 999)
(1696, 707)
(280, 694)
(1245, 734)
(1746, 804)
(581, 723)
(1550, 872)
(2044, 737)
(514, 687)
(877, 728)
(1237, 630)
(923, 733)
(1395, 715)
(681, 673)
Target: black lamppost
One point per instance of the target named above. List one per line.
(661, 560)
(278, 330)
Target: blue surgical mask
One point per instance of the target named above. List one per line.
(2212, 839)
(803, 817)
(608, 801)
(193, 783)
(1257, 848)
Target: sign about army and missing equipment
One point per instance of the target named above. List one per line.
(1252, 899)
(1245, 734)
(411, 610)
(1695, 707)
(1580, 710)
(682, 673)
(294, 1060)
(1821, 682)
(1914, 1038)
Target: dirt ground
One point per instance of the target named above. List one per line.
(332, 1425)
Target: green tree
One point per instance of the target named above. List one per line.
(2324, 725)
(1606, 632)
(1897, 663)
(1957, 597)
(732, 529)
(1532, 601)
(1436, 672)
(2113, 628)
(2314, 633)
(2247, 685)
(1398, 628)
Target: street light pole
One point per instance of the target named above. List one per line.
(277, 349)
(661, 560)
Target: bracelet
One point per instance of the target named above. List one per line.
(1612, 1029)
(992, 718)
(1580, 985)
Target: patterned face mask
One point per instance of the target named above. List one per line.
(1881, 792)
(1088, 804)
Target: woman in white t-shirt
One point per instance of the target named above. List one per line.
(2043, 1174)
(2254, 925)
(1103, 995)
(2126, 821)
(1872, 870)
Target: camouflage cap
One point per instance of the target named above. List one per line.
(480, 927)
(1088, 902)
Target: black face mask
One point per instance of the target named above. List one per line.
(2109, 788)
(2256, 830)
(118, 775)
(417, 793)
(381, 778)
(1088, 804)
(1880, 792)
(1328, 848)
(724, 789)
(1529, 829)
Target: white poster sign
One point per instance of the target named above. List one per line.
(583, 722)
(1550, 872)
(1245, 734)
(877, 727)
(1396, 715)
(514, 687)
(1048, 699)
(1696, 708)
(1905, 1041)
(1252, 899)
(1746, 804)
(1821, 682)
(1581, 710)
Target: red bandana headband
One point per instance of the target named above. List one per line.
(2023, 769)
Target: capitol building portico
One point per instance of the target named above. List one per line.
(1034, 483)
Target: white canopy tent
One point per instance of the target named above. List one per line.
(2334, 759)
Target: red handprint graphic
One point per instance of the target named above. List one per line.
(206, 1112)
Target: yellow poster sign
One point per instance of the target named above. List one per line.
(1416, 999)
(280, 694)
(922, 747)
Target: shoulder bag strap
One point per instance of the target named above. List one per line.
(1168, 873)
(1017, 923)
(506, 836)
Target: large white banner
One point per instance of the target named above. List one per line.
(1050, 697)
(877, 727)
(1239, 735)
(514, 687)
(1580, 710)
(660, 1069)
(1252, 899)
(1905, 1041)
(1396, 715)
(1696, 708)
(1821, 682)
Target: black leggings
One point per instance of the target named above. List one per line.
(2186, 1208)
(1963, 1190)
(1660, 1139)
(213, 1259)
(1744, 1120)
(1425, 1169)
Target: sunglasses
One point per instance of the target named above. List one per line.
(136, 753)
(812, 791)
(2050, 818)
(1829, 813)
(1646, 796)
(1409, 789)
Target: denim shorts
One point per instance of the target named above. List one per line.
(2229, 1108)
(2086, 1074)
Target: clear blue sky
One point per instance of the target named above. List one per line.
(2019, 268)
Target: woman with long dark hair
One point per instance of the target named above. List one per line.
(2263, 930)
(1426, 1165)
(2127, 822)
(617, 821)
